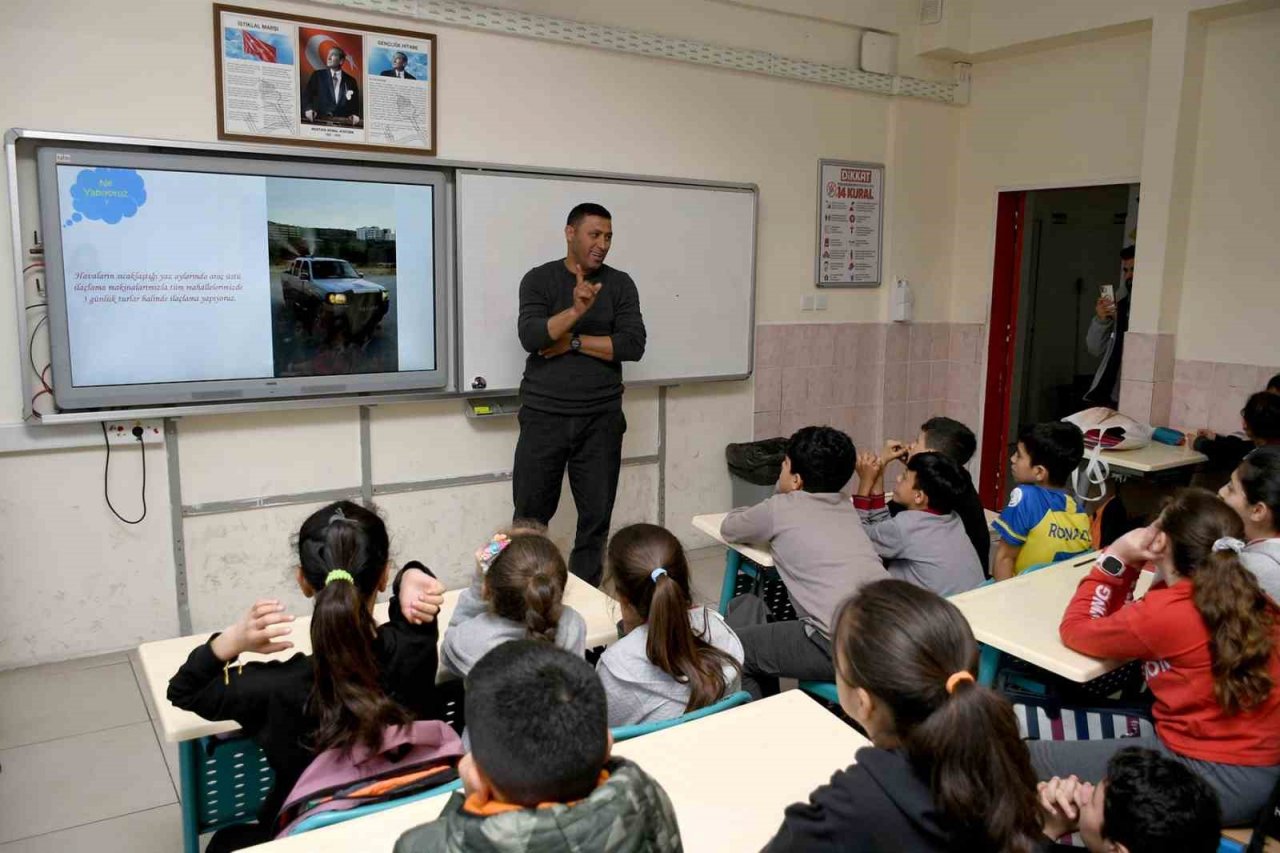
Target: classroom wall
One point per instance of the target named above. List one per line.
(1230, 307)
(502, 99)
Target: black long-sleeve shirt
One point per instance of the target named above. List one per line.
(269, 698)
(576, 383)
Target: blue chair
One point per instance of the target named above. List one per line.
(323, 819)
(224, 781)
(621, 733)
(824, 690)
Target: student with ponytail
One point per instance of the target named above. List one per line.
(1207, 635)
(947, 769)
(517, 593)
(1254, 493)
(359, 677)
(675, 657)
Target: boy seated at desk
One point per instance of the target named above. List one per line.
(925, 544)
(1260, 418)
(1148, 802)
(1041, 523)
(539, 776)
(957, 442)
(821, 553)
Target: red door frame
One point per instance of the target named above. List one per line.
(1005, 284)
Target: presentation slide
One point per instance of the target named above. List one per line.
(190, 276)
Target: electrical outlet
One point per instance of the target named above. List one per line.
(121, 432)
(806, 302)
(820, 302)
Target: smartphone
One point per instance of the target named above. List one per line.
(1109, 292)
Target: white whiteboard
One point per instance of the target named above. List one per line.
(690, 250)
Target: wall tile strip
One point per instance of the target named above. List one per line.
(872, 380)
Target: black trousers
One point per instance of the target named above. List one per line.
(590, 447)
(774, 650)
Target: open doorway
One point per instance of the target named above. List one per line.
(1055, 249)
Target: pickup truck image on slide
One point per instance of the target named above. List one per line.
(328, 295)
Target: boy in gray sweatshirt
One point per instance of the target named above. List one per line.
(925, 544)
(820, 551)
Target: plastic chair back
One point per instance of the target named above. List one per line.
(824, 690)
(621, 733)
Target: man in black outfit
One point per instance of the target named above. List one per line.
(579, 320)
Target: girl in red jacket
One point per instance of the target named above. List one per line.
(1207, 635)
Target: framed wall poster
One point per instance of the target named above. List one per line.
(288, 79)
(850, 224)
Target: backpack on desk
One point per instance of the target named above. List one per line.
(413, 758)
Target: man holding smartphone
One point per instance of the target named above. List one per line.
(1106, 336)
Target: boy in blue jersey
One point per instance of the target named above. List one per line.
(1041, 523)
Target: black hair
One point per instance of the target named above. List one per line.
(823, 457)
(950, 438)
(1273, 384)
(941, 480)
(1260, 480)
(1056, 445)
(587, 208)
(1155, 803)
(1128, 252)
(903, 645)
(347, 697)
(538, 722)
(1261, 414)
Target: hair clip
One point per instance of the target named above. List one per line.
(1228, 543)
(488, 553)
(338, 515)
(657, 573)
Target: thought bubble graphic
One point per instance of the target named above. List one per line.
(108, 195)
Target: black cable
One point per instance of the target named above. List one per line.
(31, 358)
(106, 471)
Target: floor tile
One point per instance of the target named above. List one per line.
(59, 784)
(170, 753)
(157, 830)
(43, 703)
(706, 572)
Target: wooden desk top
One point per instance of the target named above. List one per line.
(710, 525)
(710, 768)
(1154, 457)
(1021, 616)
(162, 658)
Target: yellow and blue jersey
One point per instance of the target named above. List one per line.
(1047, 524)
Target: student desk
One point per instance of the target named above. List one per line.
(737, 557)
(1155, 458)
(724, 796)
(161, 660)
(1020, 616)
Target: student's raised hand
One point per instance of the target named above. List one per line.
(893, 449)
(584, 292)
(261, 630)
(1135, 547)
(1059, 804)
(868, 467)
(421, 597)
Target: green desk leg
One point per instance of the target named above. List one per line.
(732, 565)
(188, 768)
